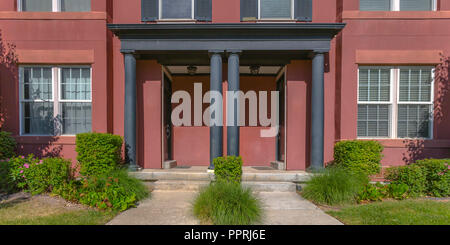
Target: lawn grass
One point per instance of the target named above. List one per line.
(408, 212)
(36, 212)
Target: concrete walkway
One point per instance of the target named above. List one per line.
(162, 208)
(289, 208)
(175, 208)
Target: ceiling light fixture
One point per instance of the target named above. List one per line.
(192, 70)
(254, 69)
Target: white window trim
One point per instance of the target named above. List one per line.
(395, 101)
(56, 96)
(56, 6)
(176, 19)
(395, 5)
(292, 12)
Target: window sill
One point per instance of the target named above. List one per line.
(39, 140)
(405, 143)
(271, 21)
(14, 15)
(395, 15)
(177, 21)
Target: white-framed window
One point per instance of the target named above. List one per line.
(398, 5)
(176, 9)
(55, 100)
(395, 102)
(54, 5)
(276, 9)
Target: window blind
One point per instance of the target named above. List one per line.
(75, 6)
(373, 120)
(37, 5)
(414, 121)
(273, 9)
(374, 85)
(416, 5)
(375, 5)
(176, 9)
(415, 85)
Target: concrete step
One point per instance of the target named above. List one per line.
(275, 176)
(189, 185)
(177, 185)
(259, 186)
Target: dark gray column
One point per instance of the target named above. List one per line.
(317, 110)
(216, 131)
(233, 86)
(130, 110)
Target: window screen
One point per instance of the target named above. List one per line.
(414, 121)
(416, 5)
(37, 5)
(75, 5)
(273, 9)
(415, 85)
(373, 120)
(176, 9)
(374, 85)
(375, 5)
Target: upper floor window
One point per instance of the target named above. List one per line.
(154, 10)
(176, 9)
(54, 5)
(55, 100)
(252, 10)
(276, 9)
(395, 102)
(397, 5)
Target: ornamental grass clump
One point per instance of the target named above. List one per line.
(334, 185)
(227, 203)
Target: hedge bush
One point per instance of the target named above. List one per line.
(437, 176)
(359, 156)
(7, 184)
(413, 176)
(115, 190)
(98, 153)
(39, 176)
(228, 168)
(7, 145)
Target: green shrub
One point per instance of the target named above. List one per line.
(373, 192)
(335, 186)
(7, 145)
(227, 203)
(437, 176)
(7, 184)
(359, 156)
(398, 191)
(228, 168)
(38, 176)
(98, 153)
(23, 167)
(115, 190)
(413, 176)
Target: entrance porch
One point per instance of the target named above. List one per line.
(298, 45)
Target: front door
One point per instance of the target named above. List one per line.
(168, 130)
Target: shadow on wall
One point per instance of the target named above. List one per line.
(40, 146)
(416, 148)
(8, 73)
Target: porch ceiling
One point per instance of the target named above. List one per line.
(273, 37)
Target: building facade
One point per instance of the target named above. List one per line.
(343, 69)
